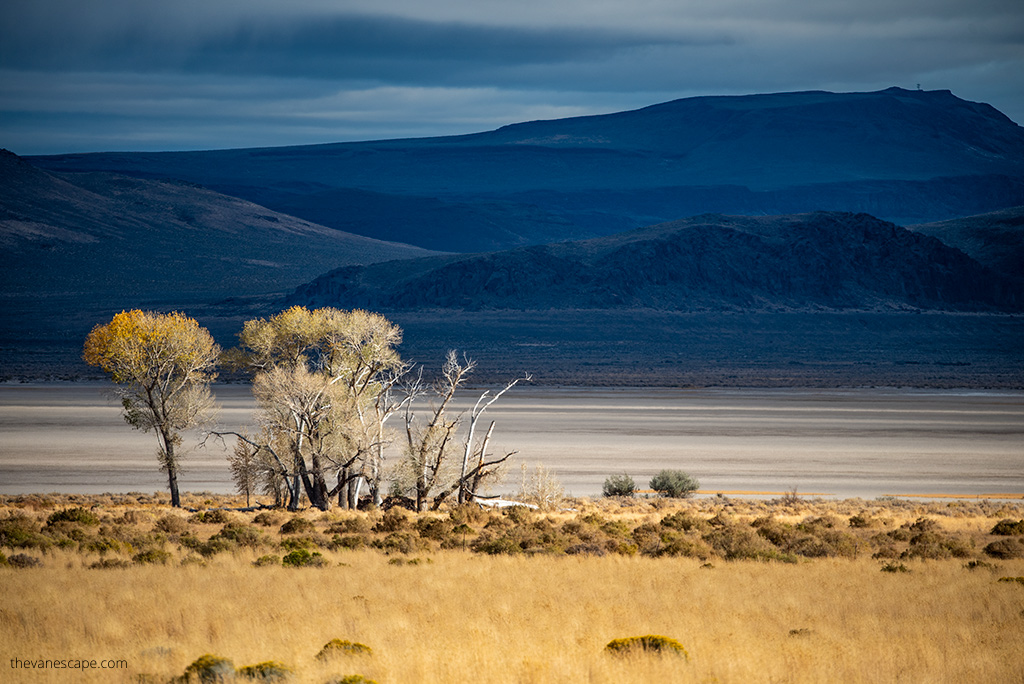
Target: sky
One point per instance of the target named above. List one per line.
(149, 75)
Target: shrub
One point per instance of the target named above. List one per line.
(1018, 580)
(269, 671)
(650, 643)
(619, 485)
(264, 561)
(209, 669)
(353, 679)
(894, 567)
(339, 647)
(152, 556)
(171, 524)
(79, 515)
(240, 534)
(298, 526)
(302, 558)
(674, 484)
(355, 525)
(393, 520)
(434, 528)
(214, 517)
(1006, 549)
(685, 521)
(266, 519)
(19, 531)
(23, 560)
(1008, 527)
(107, 563)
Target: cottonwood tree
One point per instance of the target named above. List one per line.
(163, 365)
(433, 447)
(323, 382)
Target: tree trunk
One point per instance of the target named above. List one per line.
(171, 467)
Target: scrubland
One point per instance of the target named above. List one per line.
(784, 590)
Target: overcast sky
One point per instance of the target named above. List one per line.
(101, 75)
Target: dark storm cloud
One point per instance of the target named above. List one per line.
(346, 46)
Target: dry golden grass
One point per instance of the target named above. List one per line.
(455, 616)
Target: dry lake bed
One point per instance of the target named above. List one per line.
(70, 437)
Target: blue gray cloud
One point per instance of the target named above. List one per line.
(138, 74)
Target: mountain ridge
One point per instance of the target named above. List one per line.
(817, 261)
(891, 153)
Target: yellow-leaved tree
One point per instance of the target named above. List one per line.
(163, 364)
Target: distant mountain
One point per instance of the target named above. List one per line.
(995, 239)
(100, 234)
(905, 156)
(809, 262)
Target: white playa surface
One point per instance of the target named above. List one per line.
(845, 443)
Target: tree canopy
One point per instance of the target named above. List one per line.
(164, 364)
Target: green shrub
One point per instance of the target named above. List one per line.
(1018, 580)
(353, 679)
(302, 558)
(210, 669)
(269, 671)
(619, 485)
(213, 517)
(264, 561)
(1008, 527)
(19, 531)
(152, 556)
(340, 647)
(1006, 549)
(240, 534)
(674, 484)
(79, 515)
(650, 643)
(298, 526)
(401, 542)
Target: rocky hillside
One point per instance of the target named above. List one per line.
(905, 156)
(818, 261)
(995, 239)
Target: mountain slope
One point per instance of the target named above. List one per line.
(995, 239)
(907, 156)
(820, 261)
(114, 236)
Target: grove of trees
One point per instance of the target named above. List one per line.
(327, 383)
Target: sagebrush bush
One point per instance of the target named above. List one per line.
(674, 484)
(172, 524)
(152, 556)
(266, 519)
(343, 647)
(23, 560)
(269, 671)
(619, 485)
(210, 669)
(79, 515)
(1006, 549)
(298, 526)
(20, 531)
(211, 517)
(650, 643)
(1008, 527)
(302, 558)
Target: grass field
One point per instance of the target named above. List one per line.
(816, 591)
